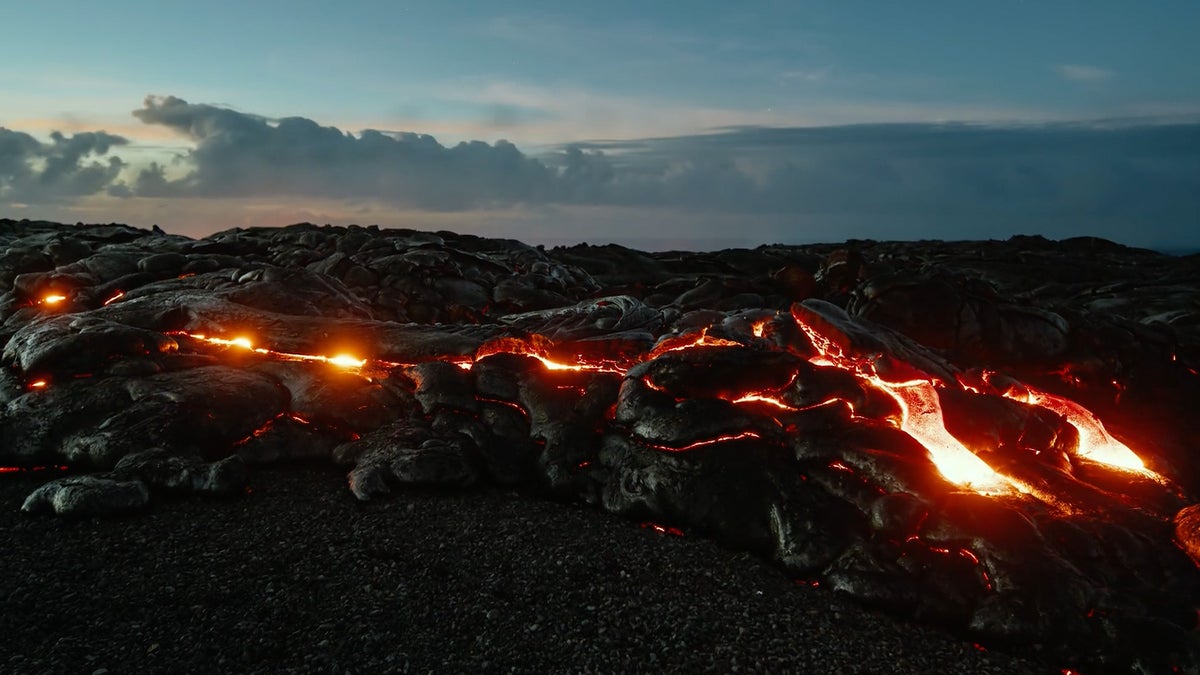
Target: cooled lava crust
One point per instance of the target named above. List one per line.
(997, 436)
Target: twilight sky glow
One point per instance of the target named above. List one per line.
(699, 124)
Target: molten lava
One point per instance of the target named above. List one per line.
(344, 361)
(682, 342)
(917, 399)
(539, 348)
(769, 400)
(740, 436)
(921, 416)
(1095, 443)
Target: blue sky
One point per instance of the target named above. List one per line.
(685, 122)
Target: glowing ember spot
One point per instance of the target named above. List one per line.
(759, 328)
(23, 469)
(662, 529)
(115, 297)
(346, 361)
(38, 384)
(920, 416)
(52, 299)
(840, 467)
(1095, 443)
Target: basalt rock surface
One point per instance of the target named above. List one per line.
(940, 429)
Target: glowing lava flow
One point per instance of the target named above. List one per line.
(769, 400)
(1095, 443)
(921, 417)
(343, 361)
(539, 348)
(682, 342)
(920, 407)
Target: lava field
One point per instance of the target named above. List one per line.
(998, 437)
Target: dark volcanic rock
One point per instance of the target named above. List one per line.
(930, 428)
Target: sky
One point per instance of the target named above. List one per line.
(694, 124)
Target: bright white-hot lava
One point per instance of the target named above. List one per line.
(344, 361)
(921, 417)
(1095, 443)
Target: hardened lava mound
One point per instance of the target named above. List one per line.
(998, 437)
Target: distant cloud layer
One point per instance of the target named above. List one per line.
(1117, 173)
(68, 166)
(239, 154)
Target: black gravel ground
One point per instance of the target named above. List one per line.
(296, 576)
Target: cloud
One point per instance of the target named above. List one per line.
(944, 173)
(1117, 178)
(66, 167)
(1080, 73)
(934, 176)
(239, 154)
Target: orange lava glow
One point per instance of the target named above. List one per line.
(917, 399)
(1095, 443)
(769, 400)
(346, 361)
(539, 348)
(663, 529)
(38, 384)
(22, 469)
(710, 441)
(343, 361)
(682, 342)
(920, 415)
(115, 297)
(52, 299)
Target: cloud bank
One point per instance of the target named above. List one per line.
(938, 177)
(34, 172)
